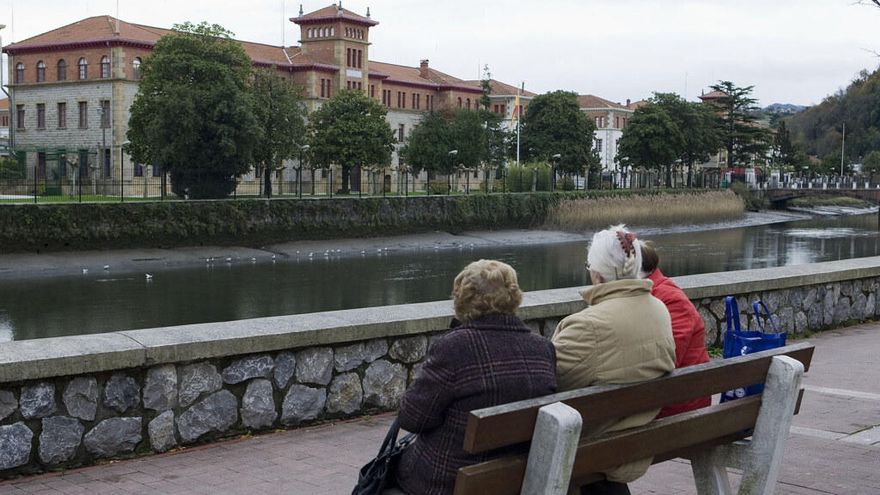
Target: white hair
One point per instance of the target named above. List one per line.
(608, 258)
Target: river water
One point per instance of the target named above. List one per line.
(102, 302)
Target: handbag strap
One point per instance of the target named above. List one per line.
(390, 437)
(759, 305)
(731, 314)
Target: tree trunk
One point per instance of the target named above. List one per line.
(669, 176)
(346, 174)
(690, 181)
(267, 182)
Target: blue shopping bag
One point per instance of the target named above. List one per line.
(739, 343)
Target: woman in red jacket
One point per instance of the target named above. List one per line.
(687, 325)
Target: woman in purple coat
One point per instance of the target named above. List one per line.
(491, 358)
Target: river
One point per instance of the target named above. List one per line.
(101, 301)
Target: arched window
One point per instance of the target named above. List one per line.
(136, 68)
(105, 67)
(19, 72)
(83, 68)
(41, 71)
(332, 31)
(62, 70)
(459, 102)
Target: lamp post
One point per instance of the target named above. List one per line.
(103, 142)
(302, 152)
(452, 155)
(122, 149)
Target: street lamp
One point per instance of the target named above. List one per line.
(452, 155)
(302, 151)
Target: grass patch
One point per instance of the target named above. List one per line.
(813, 201)
(662, 209)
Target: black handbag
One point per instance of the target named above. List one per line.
(379, 473)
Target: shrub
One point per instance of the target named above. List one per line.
(566, 183)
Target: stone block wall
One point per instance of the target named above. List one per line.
(72, 402)
(69, 421)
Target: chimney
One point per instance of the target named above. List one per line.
(423, 68)
(627, 102)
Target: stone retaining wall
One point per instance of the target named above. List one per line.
(73, 400)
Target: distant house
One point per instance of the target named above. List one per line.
(610, 119)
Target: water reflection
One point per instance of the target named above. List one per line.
(220, 292)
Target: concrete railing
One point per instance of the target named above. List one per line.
(71, 400)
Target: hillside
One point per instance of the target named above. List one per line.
(818, 129)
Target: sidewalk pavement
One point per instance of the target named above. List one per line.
(834, 447)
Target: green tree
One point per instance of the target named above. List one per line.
(871, 164)
(486, 85)
(281, 116)
(350, 130)
(783, 152)
(743, 138)
(651, 139)
(193, 113)
(554, 124)
(699, 127)
(428, 145)
(476, 135)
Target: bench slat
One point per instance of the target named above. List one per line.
(510, 424)
(662, 438)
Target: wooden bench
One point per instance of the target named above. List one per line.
(713, 438)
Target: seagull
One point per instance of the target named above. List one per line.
(229, 260)
(253, 260)
(273, 256)
(362, 251)
(149, 277)
(106, 267)
(311, 254)
(85, 271)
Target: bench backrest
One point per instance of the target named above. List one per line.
(513, 424)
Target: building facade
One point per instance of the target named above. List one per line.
(610, 119)
(71, 90)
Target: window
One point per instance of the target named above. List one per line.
(360, 60)
(617, 122)
(41, 115)
(372, 90)
(105, 114)
(83, 115)
(416, 101)
(386, 97)
(599, 145)
(348, 57)
(62, 115)
(19, 117)
(400, 132)
(325, 88)
(83, 69)
(62, 70)
(105, 67)
(468, 103)
(136, 69)
(157, 171)
(430, 103)
(41, 71)
(138, 170)
(495, 109)
(503, 109)
(459, 102)
(19, 72)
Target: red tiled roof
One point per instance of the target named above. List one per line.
(499, 88)
(637, 104)
(332, 13)
(713, 95)
(592, 101)
(102, 29)
(412, 75)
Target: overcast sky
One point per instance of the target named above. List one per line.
(792, 51)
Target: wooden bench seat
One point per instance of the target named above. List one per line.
(713, 437)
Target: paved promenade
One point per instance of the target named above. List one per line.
(834, 446)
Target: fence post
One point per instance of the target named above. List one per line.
(35, 184)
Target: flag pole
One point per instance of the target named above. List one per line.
(518, 119)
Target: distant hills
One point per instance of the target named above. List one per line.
(784, 108)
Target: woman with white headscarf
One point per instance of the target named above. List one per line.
(623, 336)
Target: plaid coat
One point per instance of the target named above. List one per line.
(489, 361)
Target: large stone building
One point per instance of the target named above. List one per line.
(71, 88)
(610, 119)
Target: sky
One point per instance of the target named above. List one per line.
(791, 51)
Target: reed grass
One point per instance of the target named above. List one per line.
(581, 214)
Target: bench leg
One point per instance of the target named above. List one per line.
(762, 459)
(554, 445)
(710, 473)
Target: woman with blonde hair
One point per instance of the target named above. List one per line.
(623, 336)
(490, 358)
